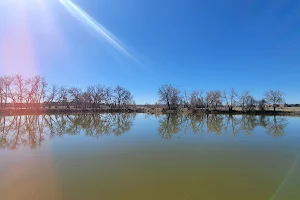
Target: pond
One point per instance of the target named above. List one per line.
(147, 157)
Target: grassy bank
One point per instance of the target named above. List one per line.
(288, 111)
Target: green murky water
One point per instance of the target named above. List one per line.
(147, 157)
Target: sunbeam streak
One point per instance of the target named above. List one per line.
(82, 16)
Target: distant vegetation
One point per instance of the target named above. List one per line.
(17, 92)
(173, 98)
(26, 94)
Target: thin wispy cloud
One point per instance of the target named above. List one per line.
(87, 20)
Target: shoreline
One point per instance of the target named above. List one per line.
(14, 112)
(235, 112)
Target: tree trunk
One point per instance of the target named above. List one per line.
(274, 108)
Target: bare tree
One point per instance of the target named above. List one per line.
(52, 95)
(42, 90)
(122, 96)
(35, 91)
(97, 95)
(262, 104)
(87, 100)
(6, 89)
(19, 91)
(29, 91)
(230, 99)
(75, 96)
(197, 99)
(108, 96)
(63, 96)
(247, 102)
(274, 97)
(2, 94)
(213, 99)
(185, 99)
(169, 95)
(90, 96)
(243, 99)
(175, 98)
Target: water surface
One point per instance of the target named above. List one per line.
(128, 156)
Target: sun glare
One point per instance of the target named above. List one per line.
(17, 44)
(23, 1)
(32, 4)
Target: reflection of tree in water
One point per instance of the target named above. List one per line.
(96, 125)
(262, 121)
(230, 124)
(184, 124)
(56, 124)
(248, 123)
(276, 125)
(169, 125)
(17, 131)
(122, 123)
(30, 131)
(197, 122)
(214, 123)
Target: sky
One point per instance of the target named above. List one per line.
(204, 45)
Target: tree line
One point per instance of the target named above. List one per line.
(173, 98)
(19, 92)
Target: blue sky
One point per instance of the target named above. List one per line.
(192, 44)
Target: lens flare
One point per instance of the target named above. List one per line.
(283, 187)
(86, 19)
(17, 50)
(20, 21)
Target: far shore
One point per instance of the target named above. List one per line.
(145, 109)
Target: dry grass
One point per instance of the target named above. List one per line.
(287, 109)
(290, 109)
